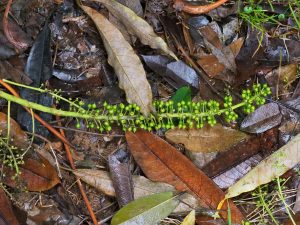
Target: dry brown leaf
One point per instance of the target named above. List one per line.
(101, 180)
(17, 136)
(137, 26)
(161, 162)
(37, 174)
(6, 211)
(207, 139)
(268, 169)
(127, 65)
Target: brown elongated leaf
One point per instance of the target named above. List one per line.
(137, 26)
(163, 163)
(296, 219)
(17, 136)
(37, 174)
(7, 216)
(142, 187)
(262, 119)
(207, 139)
(127, 65)
(266, 142)
(119, 168)
(271, 167)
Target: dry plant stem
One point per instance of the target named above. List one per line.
(6, 30)
(180, 5)
(37, 117)
(79, 184)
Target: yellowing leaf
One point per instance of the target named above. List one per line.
(207, 139)
(147, 210)
(137, 26)
(271, 167)
(189, 219)
(127, 65)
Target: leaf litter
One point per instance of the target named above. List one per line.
(219, 45)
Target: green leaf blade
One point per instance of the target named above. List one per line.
(148, 210)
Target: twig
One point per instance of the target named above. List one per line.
(180, 5)
(6, 30)
(79, 184)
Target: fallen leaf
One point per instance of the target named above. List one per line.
(266, 142)
(189, 219)
(127, 65)
(134, 5)
(177, 74)
(137, 26)
(262, 119)
(142, 187)
(18, 137)
(147, 210)
(161, 162)
(280, 79)
(37, 174)
(39, 69)
(119, 168)
(8, 71)
(228, 178)
(271, 167)
(296, 218)
(207, 139)
(7, 216)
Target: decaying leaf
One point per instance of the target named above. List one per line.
(177, 74)
(119, 168)
(7, 216)
(137, 26)
(127, 65)
(17, 136)
(271, 167)
(37, 174)
(262, 119)
(161, 162)
(142, 187)
(266, 142)
(207, 139)
(147, 210)
(189, 219)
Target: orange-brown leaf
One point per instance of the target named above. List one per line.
(17, 136)
(37, 174)
(6, 211)
(162, 162)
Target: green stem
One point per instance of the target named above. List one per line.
(282, 199)
(266, 207)
(84, 115)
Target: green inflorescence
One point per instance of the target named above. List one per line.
(167, 115)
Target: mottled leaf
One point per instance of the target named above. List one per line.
(147, 210)
(163, 163)
(271, 167)
(137, 26)
(189, 219)
(7, 216)
(263, 118)
(127, 65)
(207, 139)
(134, 5)
(37, 174)
(142, 187)
(119, 168)
(8, 71)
